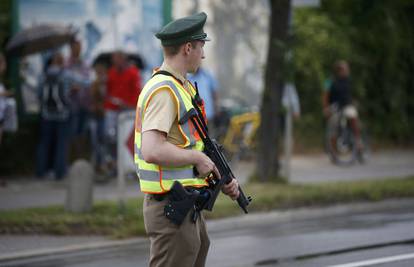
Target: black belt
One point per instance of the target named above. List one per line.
(158, 197)
(161, 197)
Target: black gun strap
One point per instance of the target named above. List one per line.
(196, 106)
(167, 73)
(197, 97)
(196, 100)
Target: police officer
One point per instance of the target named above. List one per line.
(167, 151)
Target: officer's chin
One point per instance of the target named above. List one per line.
(192, 71)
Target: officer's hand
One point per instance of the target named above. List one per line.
(205, 166)
(232, 189)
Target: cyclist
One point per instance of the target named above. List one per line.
(337, 98)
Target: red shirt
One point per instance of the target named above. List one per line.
(123, 88)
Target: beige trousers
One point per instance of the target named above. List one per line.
(171, 245)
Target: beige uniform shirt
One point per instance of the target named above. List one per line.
(161, 112)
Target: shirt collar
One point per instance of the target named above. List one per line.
(175, 73)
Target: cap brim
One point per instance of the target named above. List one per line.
(201, 38)
(206, 39)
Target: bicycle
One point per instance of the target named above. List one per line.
(341, 142)
(239, 140)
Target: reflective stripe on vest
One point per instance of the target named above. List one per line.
(155, 178)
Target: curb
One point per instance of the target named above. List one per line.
(219, 225)
(264, 218)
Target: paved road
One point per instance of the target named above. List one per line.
(324, 241)
(305, 238)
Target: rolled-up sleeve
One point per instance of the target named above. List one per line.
(160, 112)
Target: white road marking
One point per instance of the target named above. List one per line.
(377, 261)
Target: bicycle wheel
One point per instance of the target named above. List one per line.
(364, 153)
(341, 145)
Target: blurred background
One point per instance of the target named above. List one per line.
(374, 38)
(312, 100)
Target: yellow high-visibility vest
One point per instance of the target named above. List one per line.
(155, 178)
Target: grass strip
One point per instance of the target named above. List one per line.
(106, 218)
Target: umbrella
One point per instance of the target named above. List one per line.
(106, 58)
(39, 38)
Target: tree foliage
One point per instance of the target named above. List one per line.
(376, 37)
(5, 20)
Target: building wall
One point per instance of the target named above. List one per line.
(237, 51)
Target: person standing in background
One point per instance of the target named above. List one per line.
(123, 86)
(77, 71)
(55, 112)
(3, 95)
(97, 115)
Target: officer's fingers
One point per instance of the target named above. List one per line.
(231, 189)
(236, 196)
(204, 166)
(226, 189)
(234, 193)
(203, 170)
(234, 189)
(235, 183)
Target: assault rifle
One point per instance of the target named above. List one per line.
(215, 152)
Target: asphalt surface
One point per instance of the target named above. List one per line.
(342, 236)
(323, 241)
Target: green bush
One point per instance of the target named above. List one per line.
(376, 37)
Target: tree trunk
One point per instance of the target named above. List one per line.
(269, 131)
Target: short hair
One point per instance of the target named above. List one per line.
(339, 65)
(172, 50)
(120, 53)
(74, 40)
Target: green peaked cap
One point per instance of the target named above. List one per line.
(183, 30)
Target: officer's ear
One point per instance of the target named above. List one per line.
(187, 48)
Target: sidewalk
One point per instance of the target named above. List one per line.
(30, 192)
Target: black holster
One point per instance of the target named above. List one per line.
(180, 202)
